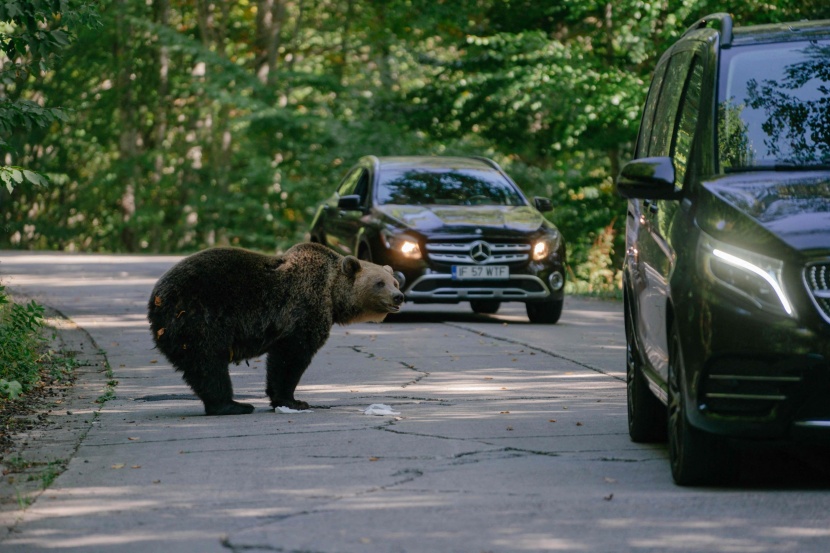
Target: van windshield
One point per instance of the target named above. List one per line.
(774, 106)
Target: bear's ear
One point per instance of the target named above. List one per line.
(388, 269)
(350, 265)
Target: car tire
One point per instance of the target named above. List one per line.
(544, 312)
(485, 307)
(647, 416)
(697, 458)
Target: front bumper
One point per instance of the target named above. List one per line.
(442, 288)
(757, 376)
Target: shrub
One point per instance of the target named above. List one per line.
(21, 342)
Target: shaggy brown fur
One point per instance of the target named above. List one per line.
(226, 305)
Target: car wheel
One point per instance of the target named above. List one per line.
(544, 312)
(696, 457)
(646, 414)
(485, 307)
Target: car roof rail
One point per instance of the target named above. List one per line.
(723, 23)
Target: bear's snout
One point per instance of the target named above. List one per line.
(397, 298)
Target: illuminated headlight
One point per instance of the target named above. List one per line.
(404, 245)
(754, 276)
(545, 246)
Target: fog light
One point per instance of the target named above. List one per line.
(557, 280)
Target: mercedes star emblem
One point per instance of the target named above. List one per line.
(480, 251)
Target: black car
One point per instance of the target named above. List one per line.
(727, 268)
(457, 229)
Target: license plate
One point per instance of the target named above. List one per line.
(480, 272)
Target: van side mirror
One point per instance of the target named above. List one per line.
(650, 178)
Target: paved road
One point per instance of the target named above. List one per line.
(511, 437)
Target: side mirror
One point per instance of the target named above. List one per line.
(349, 203)
(542, 204)
(650, 178)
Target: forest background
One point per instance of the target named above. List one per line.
(167, 126)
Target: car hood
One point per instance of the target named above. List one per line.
(437, 217)
(793, 207)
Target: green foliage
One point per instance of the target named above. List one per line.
(32, 34)
(21, 340)
(187, 125)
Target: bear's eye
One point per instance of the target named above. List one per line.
(379, 284)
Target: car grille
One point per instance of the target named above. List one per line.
(477, 252)
(817, 278)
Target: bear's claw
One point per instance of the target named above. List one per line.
(290, 403)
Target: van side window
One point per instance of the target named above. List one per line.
(689, 110)
(649, 109)
(662, 135)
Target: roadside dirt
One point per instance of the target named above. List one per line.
(39, 436)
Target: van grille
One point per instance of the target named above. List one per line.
(817, 279)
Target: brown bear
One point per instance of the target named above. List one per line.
(226, 305)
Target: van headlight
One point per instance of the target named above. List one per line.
(754, 276)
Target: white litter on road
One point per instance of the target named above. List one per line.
(287, 410)
(379, 409)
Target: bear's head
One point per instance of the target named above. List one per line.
(376, 291)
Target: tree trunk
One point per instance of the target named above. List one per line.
(127, 143)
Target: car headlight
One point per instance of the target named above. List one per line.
(404, 245)
(545, 246)
(754, 276)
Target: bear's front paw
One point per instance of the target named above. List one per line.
(290, 403)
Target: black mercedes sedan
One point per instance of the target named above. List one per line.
(727, 267)
(455, 229)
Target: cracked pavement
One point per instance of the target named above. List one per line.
(511, 437)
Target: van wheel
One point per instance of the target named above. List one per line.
(646, 414)
(697, 458)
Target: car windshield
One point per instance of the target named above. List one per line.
(773, 107)
(446, 187)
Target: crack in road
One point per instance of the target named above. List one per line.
(542, 350)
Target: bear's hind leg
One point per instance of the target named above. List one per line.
(211, 382)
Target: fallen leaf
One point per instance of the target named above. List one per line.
(157, 301)
(610, 480)
(551, 420)
(156, 481)
(505, 413)
(118, 466)
(132, 439)
(154, 361)
(488, 378)
(135, 467)
(510, 428)
(160, 332)
(373, 459)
